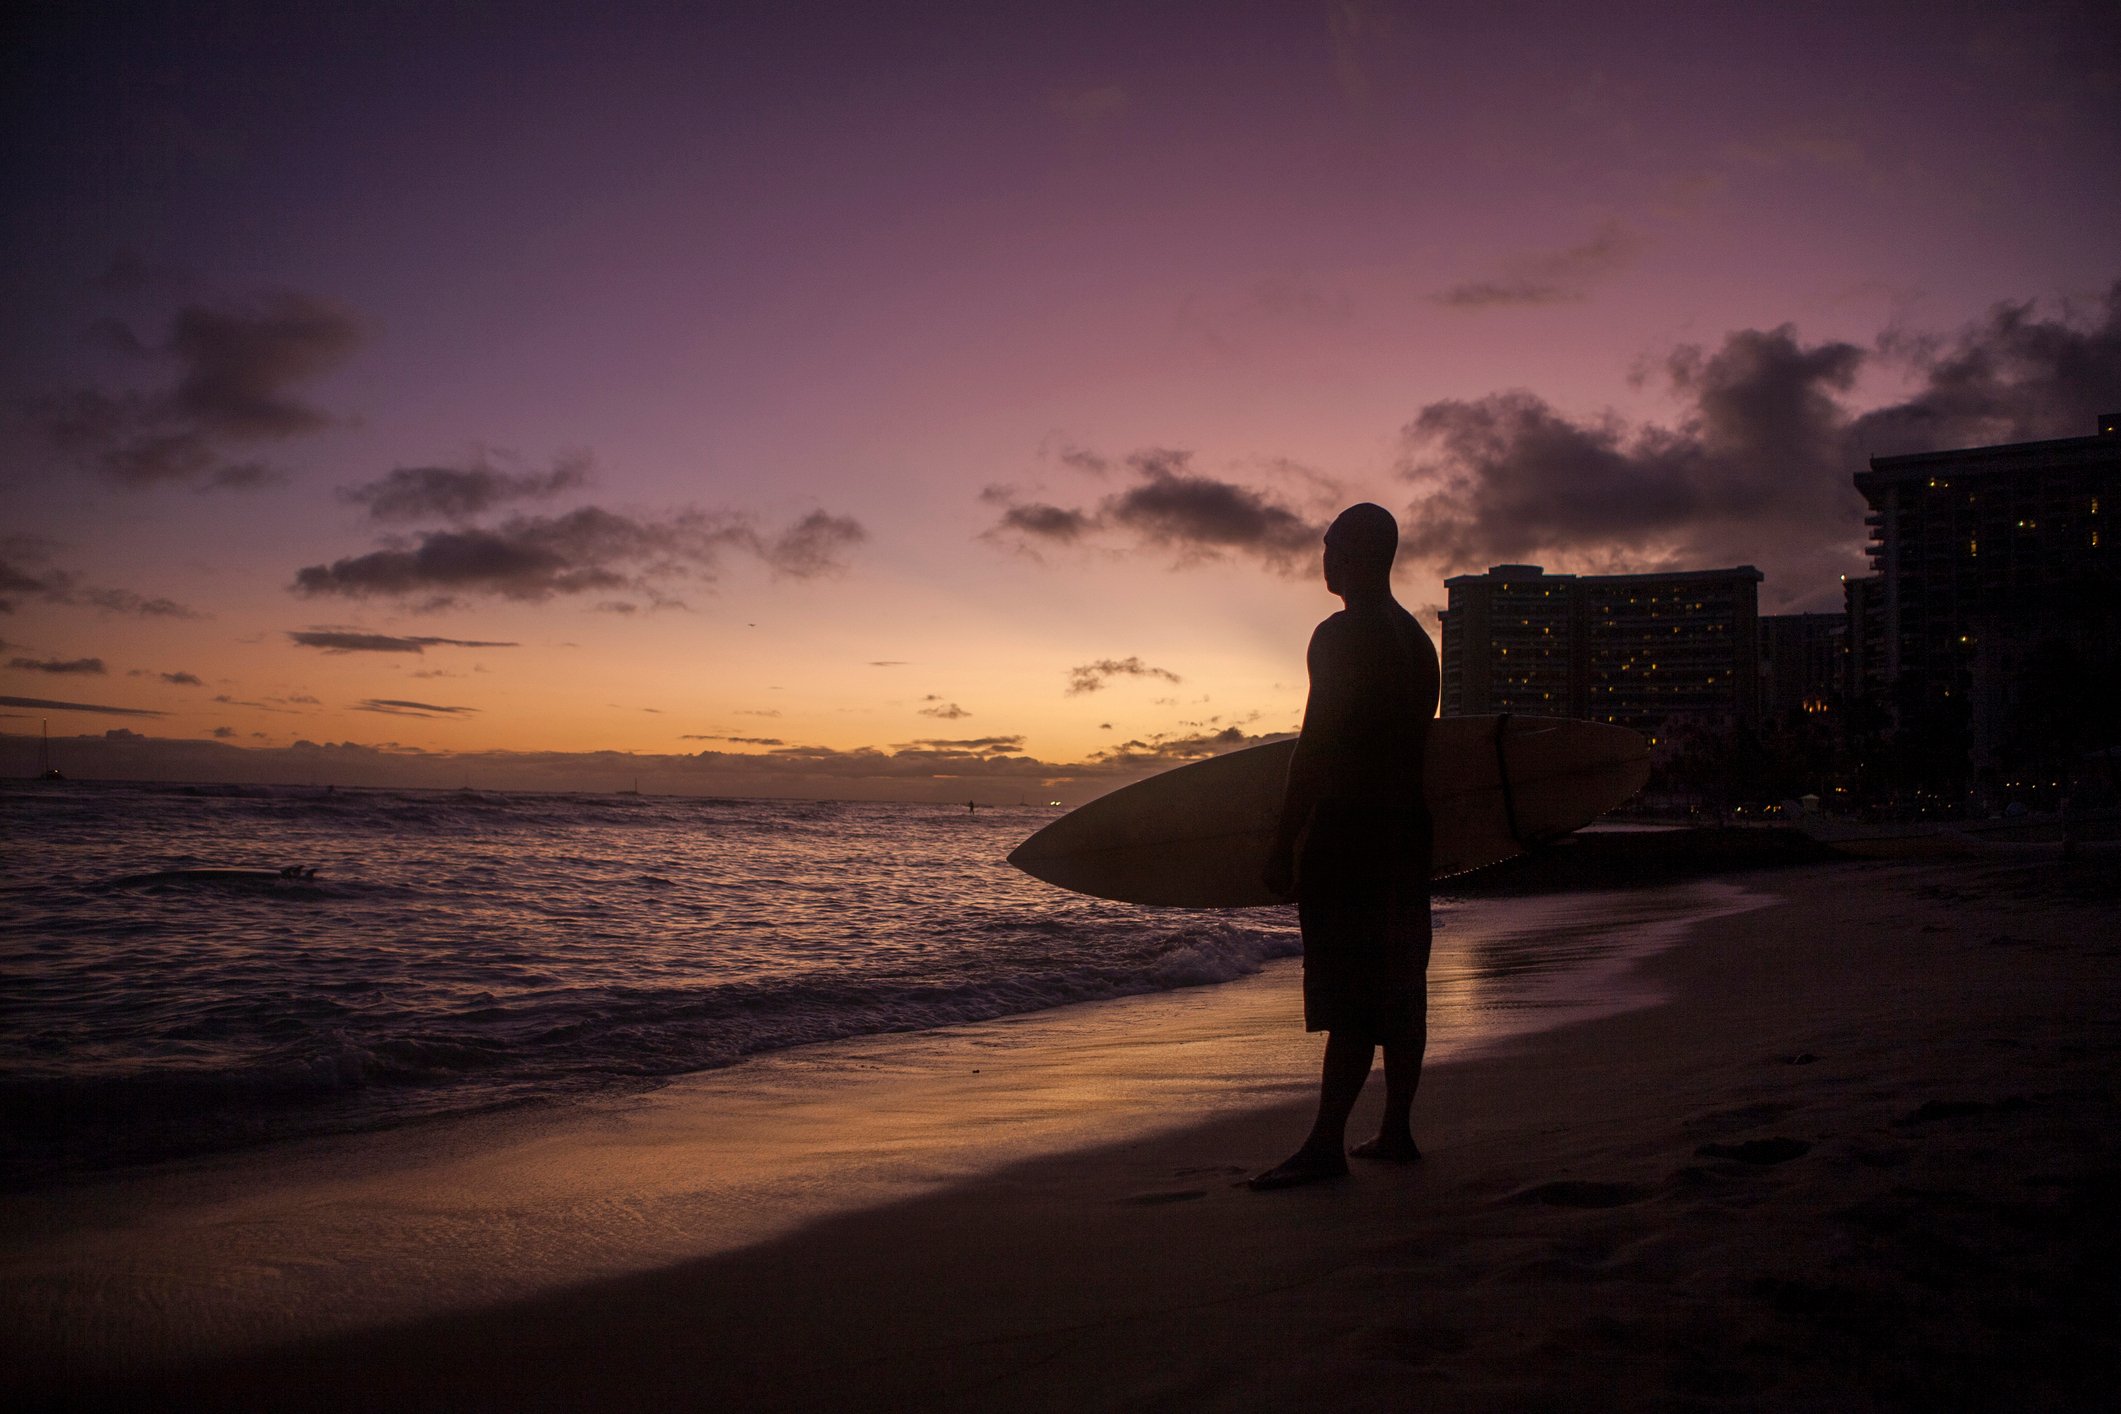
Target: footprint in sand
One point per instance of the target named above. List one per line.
(1172, 1195)
(1758, 1151)
(1581, 1193)
(1959, 1109)
(1743, 1117)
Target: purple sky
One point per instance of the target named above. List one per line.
(431, 379)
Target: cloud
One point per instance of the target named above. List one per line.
(2012, 377)
(1038, 520)
(966, 746)
(1170, 507)
(45, 704)
(947, 711)
(457, 493)
(934, 769)
(182, 679)
(333, 640)
(223, 733)
(739, 740)
(1757, 466)
(887, 662)
(59, 665)
(1161, 752)
(239, 370)
(1092, 677)
(533, 558)
(398, 708)
(1054, 447)
(815, 545)
(21, 573)
(1551, 277)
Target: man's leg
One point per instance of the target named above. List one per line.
(1324, 1155)
(1395, 1132)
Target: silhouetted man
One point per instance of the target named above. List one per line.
(1354, 848)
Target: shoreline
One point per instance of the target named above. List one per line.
(1860, 1156)
(304, 1239)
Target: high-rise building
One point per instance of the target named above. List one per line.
(1802, 667)
(1983, 557)
(1863, 663)
(1513, 641)
(1642, 650)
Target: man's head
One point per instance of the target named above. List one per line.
(1360, 545)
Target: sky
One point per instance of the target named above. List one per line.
(944, 401)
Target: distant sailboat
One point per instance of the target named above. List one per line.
(636, 787)
(46, 771)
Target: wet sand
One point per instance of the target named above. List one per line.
(1865, 1156)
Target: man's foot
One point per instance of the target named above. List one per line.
(1303, 1168)
(1394, 1150)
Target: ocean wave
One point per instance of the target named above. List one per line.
(363, 1066)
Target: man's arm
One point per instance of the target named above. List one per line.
(1309, 766)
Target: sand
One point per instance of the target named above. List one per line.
(1865, 1155)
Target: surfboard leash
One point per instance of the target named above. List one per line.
(1509, 795)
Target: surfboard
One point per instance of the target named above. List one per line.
(1197, 836)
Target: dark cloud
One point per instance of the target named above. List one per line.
(271, 704)
(947, 711)
(1197, 515)
(182, 679)
(456, 493)
(333, 640)
(587, 549)
(964, 746)
(531, 558)
(45, 704)
(2014, 377)
(1160, 752)
(86, 666)
(223, 733)
(936, 769)
(24, 575)
(1757, 467)
(1170, 507)
(1040, 521)
(738, 740)
(815, 545)
(1550, 277)
(239, 369)
(1075, 458)
(396, 707)
(1092, 677)
(887, 662)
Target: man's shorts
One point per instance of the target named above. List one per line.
(1363, 885)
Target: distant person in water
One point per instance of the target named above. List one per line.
(1353, 848)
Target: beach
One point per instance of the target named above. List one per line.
(1861, 1154)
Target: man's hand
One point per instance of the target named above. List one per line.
(1280, 874)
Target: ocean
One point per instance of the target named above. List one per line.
(166, 992)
